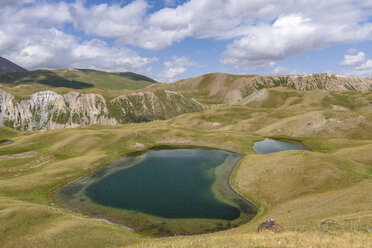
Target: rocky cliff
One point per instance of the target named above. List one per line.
(48, 110)
(229, 89)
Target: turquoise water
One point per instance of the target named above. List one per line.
(163, 192)
(168, 183)
(269, 146)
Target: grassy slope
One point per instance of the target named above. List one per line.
(298, 188)
(221, 88)
(78, 79)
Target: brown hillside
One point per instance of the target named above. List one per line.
(219, 88)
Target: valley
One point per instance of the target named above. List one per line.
(298, 188)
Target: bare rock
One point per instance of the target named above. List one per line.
(270, 225)
(47, 110)
(139, 146)
(327, 222)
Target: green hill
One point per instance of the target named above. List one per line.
(331, 115)
(221, 88)
(78, 79)
(299, 189)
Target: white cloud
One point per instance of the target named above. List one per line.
(110, 21)
(176, 67)
(181, 62)
(287, 36)
(4, 3)
(353, 60)
(362, 66)
(363, 70)
(263, 31)
(106, 58)
(34, 38)
(352, 51)
(55, 49)
(169, 74)
(280, 70)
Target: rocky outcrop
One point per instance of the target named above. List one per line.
(328, 222)
(147, 106)
(48, 110)
(270, 225)
(324, 81)
(229, 89)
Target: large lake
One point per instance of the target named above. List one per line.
(163, 192)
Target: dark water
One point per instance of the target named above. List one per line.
(168, 183)
(163, 193)
(6, 142)
(269, 146)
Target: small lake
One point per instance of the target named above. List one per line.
(6, 142)
(163, 192)
(269, 146)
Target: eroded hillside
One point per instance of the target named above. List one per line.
(47, 110)
(219, 88)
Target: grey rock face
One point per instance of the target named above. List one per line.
(158, 105)
(47, 110)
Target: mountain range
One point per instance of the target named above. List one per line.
(49, 99)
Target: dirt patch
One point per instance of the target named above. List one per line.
(18, 155)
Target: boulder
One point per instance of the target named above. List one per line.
(270, 225)
(327, 222)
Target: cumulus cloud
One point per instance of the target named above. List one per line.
(280, 70)
(363, 70)
(353, 59)
(287, 36)
(290, 35)
(181, 62)
(59, 50)
(262, 32)
(4, 3)
(110, 21)
(169, 74)
(34, 37)
(366, 66)
(176, 67)
(361, 66)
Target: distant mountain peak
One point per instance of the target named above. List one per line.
(8, 66)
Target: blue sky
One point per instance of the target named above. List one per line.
(175, 39)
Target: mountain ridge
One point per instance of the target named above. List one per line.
(9, 66)
(220, 88)
(78, 79)
(30, 108)
(48, 110)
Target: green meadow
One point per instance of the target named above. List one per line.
(300, 189)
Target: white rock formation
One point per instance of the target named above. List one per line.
(47, 110)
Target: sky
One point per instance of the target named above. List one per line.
(170, 40)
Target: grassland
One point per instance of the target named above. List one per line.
(78, 79)
(300, 189)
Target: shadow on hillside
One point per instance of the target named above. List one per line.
(136, 77)
(42, 77)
